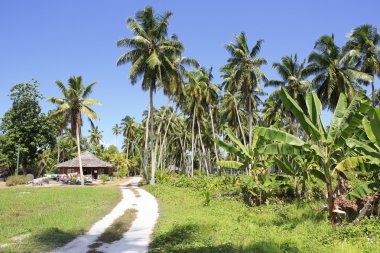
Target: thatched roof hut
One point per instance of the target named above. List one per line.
(90, 163)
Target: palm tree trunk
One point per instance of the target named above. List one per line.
(158, 132)
(127, 155)
(145, 162)
(241, 127)
(373, 91)
(203, 147)
(79, 154)
(58, 148)
(213, 134)
(192, 145)
(250, 119)
(164, 138)
(153, 151)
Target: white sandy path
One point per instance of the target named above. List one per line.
(136, 239)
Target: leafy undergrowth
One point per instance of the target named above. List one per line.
(40, 219)
(186, 225)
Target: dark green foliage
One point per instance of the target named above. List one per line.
(24, 124)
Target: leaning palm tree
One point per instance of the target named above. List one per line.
(246, 67)
(152, 55)
(332, 76)
(74, 103)
(95, 136)
(363, 50)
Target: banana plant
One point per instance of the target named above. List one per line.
(251, 157)
(326, 146)
(370, 149)
(299, 168)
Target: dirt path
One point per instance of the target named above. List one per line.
(137, 238)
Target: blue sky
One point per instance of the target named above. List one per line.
(53, 40)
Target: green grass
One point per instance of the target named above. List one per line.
(186, 225)
(47, 218)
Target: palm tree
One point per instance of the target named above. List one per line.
(230, 100)
(116, 130)
(332, 75)
(193, 106)
(127, 126)
(152, 55)
(293, 75)
(95, 136)
(273, 109)
(74, 103)
(210, 99)
(363, 50)
(45, 161)
(246, 67)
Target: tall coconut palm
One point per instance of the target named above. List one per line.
(332, 75)
(363, 50)
(74, 103)
(293, 74)
(272, 111)
(116, 129)
(95, 136)
(193, 106)
(246, 66)
(210, 99)
(230, 99)
(152, 55)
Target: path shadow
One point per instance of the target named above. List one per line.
(181, 239)
(53, 238)
(177, 235)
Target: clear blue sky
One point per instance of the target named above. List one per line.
(52, 40)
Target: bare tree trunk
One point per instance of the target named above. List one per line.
(79, 154)
(213, 134)
(365, 208)
(145, 162)
(241, 127)
(153, 150)
(164, 138)
(373, 91)
(203, 147)
(192, 145)
(250, 120)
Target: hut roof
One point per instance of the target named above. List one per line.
(88, 160)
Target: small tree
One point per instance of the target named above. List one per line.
(26, 127)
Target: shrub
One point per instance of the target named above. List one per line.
(17, 180)
(104, 178)
(121, 173)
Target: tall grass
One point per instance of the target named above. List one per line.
(227, 225)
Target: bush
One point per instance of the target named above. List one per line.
(17, 180)
(121, 173)
(104, 178)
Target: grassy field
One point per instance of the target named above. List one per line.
(39, 219)
(185, 225)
